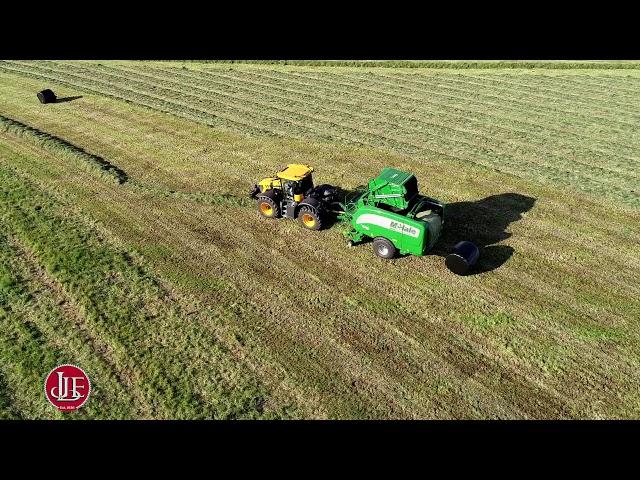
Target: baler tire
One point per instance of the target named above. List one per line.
(268, 208)
(383, 248)
(309, 218)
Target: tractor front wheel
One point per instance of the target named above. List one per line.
(309, 218)
(383, 248)
(268, 208)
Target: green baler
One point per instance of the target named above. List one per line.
(394, 215)
(400, 220)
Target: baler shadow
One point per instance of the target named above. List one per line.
(67, 99)
(483, 222)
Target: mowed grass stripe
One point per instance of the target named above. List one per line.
(411, 105)
(555, 175)
(622, 191)
(561, 98)
(627, 85)
(606, 98)
(609, 227)
(140, 98)
(596, 179)
(621, 167)
(134, 149)
(294, 112)
(419, 95)
(487, 96)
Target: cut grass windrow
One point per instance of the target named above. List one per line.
(50, 142)
(559, 174)
(330, 121)
(596, 167)
(411, 126)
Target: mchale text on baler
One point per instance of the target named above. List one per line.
(390, 211)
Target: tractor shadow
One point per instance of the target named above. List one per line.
(67, 99)
(483, 222)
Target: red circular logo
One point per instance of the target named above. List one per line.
(67, 387)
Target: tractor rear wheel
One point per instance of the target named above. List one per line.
(383, 248)
(309, 218)
(268, 208)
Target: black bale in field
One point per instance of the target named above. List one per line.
(47, 96)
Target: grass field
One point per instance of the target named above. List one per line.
(129, 247)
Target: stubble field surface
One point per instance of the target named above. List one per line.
(128, 245)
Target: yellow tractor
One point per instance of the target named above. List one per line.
(291, 194)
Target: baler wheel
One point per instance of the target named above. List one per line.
(268, 208)
(309, 219)
(383, 248)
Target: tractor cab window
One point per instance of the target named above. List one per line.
(305, 184)
(289, 189)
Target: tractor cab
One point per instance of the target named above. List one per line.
(296, 181)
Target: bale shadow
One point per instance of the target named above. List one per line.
(67, 99)
(483, 222)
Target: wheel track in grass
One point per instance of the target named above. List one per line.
(622, 191)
